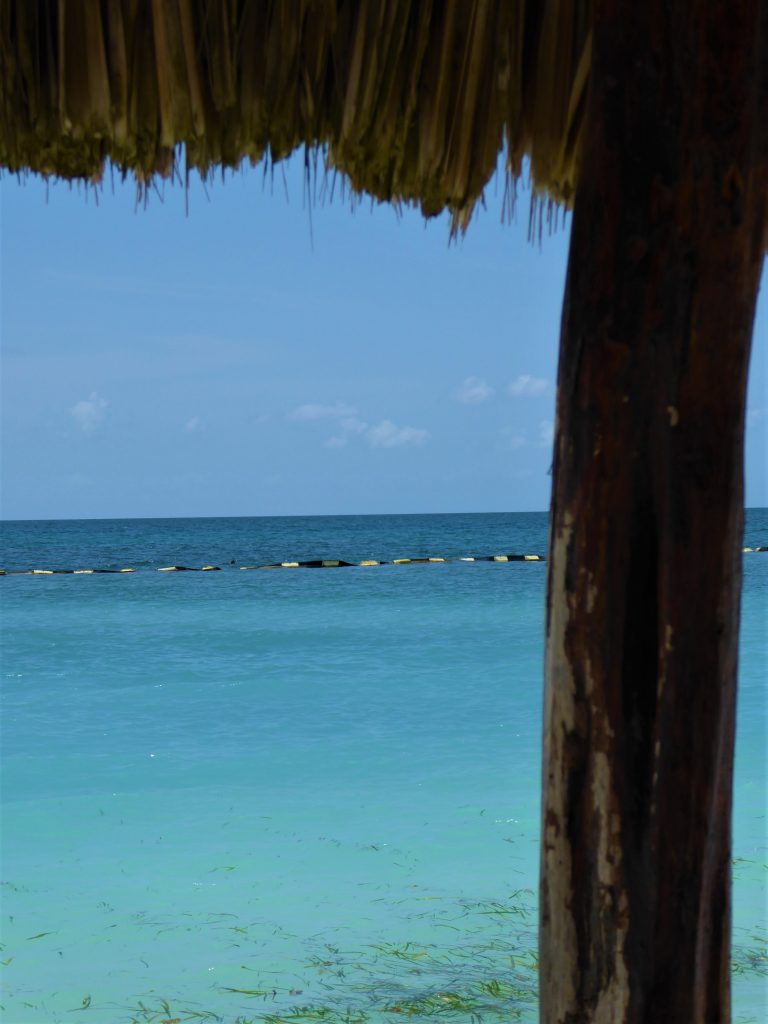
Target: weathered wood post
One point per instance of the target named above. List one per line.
(642, 614)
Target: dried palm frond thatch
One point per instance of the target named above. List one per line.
(411, 99)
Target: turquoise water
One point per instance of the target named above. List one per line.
(230, 795)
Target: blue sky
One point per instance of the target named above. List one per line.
(246, 358)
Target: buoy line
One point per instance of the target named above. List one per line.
(318, 563)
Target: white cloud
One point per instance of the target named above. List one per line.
(89, 412)
(314, 411)
(384, 434)
(352, 425)
(348, 425)
(526, 386)
(474, 390)
(388, 435)
(514, 439)
(546, 433)
(193, 423)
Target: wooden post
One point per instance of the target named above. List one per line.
(643, 604)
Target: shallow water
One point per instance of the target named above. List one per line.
(246, 792)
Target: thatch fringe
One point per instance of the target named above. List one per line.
(412, 100)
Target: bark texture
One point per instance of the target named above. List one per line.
(644, 577)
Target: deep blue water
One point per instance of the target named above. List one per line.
(318, 786)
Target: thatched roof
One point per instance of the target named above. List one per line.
(413, 100)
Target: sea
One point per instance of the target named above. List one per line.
(297, 794)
